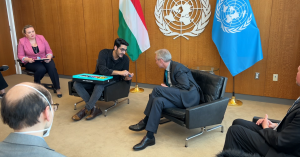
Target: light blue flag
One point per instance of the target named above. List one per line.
(236, 35)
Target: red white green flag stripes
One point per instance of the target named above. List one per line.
(132, 27)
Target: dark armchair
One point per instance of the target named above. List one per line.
(113, 92)
(211, 112)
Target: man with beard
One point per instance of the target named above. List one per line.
(110, 62)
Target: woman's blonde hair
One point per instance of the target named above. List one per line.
(25, 27)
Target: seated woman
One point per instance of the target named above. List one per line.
(3, 83)
(31, 49)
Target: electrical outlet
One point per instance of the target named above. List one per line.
(275, 77)
(257, 75)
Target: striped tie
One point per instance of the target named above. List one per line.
(167, 80)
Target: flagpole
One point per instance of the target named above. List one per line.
(136, 89)
(233, 101)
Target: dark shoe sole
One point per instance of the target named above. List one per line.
(137, 149)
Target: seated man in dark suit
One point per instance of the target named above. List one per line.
(110, 62)
(3, 83)
(266, 138)
(178, 90)
(29, 110)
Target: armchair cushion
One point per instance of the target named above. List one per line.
(210, 84)
(175, 112)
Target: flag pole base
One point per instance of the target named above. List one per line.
(136, 89)
(234, 102)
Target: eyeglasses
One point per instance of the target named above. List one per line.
(123, 50)
(55, 106)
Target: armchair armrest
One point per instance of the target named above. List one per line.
(117, 90)
(206, 114)
(255, 119)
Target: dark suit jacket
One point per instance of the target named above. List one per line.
(286, 140)
(22, 145)
(182, 79)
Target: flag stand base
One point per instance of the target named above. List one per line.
(234, 102)
(136, 89)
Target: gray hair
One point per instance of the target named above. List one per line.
(163, 54)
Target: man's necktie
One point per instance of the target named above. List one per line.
(167, 80)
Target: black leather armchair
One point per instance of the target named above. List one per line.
(211, 112)
(112, 92)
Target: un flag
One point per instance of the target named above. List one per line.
(236, 35)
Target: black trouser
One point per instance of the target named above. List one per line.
(3, 83)
(160, 98)
(40, 68)
(244, 135)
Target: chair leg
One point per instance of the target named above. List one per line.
(203, 129)
(188, 138)
(116, 102)
(77, 103)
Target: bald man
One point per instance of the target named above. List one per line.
(28, 109)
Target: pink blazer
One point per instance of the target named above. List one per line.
(25, 48)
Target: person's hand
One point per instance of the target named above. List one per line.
(272, 125)
(129, 77)
(124, 73)
(30, 60)
(164, 85)
(265, 123)
(258, 122)
(48, 59)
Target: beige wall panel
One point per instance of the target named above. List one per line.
(6, 51)
(201, 50)
(98, 28)
(47, 17)
(73, 38)
(283, 52)
(154, 75)
(23, 15)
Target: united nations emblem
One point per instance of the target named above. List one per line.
(233, 15)
(182, 17)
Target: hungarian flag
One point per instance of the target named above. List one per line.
(132, 27)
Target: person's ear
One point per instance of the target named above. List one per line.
(47, 113)
(115, 47)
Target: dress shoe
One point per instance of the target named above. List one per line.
(138, 127)
(94, 113)
(59, 95)
(78, 116)
(4, 68)
(144, 143)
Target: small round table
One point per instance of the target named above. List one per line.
(209, 69)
